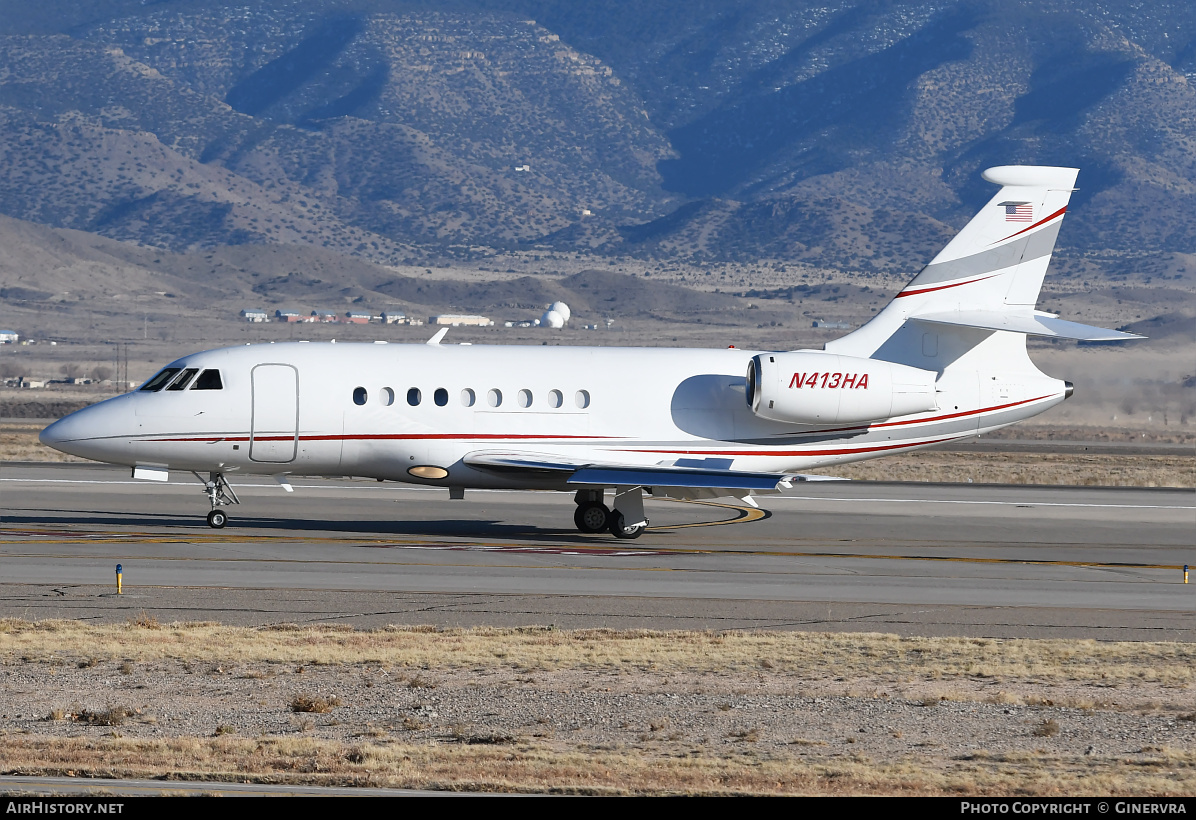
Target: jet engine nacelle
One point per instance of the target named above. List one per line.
(809, 387)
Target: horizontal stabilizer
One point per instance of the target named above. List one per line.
(1036, 324)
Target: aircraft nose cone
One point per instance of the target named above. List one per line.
(56, 433)
(91, 432)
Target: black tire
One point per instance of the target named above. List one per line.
(217, 519)
(591, 517)
(618, 530)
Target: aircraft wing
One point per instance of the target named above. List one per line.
(666, 477)
(685, 477)
(521, 462)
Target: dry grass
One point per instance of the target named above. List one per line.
(530, 765)
(316, 705)
(18, 442)
(859, 655)
(743, 758)
(144, 620)
(108, 716)
(1048, 728)
(1068, 469)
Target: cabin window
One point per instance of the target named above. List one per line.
(440, 397)
(414, 397)
(186, 376)
(359, 395)
(468, 397)
(208, 380)
(158, 382)
(388, 396)
(524, 398)
(555, 399)
(582, 399)
(494, 397)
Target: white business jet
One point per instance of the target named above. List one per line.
(945, 360)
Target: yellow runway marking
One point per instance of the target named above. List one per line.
(745, 514)
(621, 552)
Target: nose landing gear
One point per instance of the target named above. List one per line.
(220, 494)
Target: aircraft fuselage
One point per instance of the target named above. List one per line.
(380, 410)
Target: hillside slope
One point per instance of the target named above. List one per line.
(845, 135)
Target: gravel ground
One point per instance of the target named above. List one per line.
(776, 714)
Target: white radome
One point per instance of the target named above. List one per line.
(552, 319)
(563, 309)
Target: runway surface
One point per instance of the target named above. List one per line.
(907, 558)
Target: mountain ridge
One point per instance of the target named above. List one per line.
(847, 135)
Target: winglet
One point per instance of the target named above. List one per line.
(435, 340)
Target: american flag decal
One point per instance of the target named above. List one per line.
(1018, 211)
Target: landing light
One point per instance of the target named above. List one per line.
(428, 471)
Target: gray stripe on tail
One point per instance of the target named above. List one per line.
(1034, 246)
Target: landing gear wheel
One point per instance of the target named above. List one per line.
(217, 519)
(591, 517)
(619, 530)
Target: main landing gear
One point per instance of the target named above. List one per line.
(626, 520)
(220, 494)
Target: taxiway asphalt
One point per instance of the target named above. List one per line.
(854, 556)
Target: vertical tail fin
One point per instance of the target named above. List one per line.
(994, 266)
(1001, 256)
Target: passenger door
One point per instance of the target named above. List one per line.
(274, 434)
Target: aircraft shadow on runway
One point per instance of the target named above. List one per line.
(459, 528)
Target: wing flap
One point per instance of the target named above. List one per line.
(733, 482)
(678, 477)
(522, 462)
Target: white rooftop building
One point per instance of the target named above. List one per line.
(455, 319)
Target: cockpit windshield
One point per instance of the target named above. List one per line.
(186, 376)
(158, 382)
(177, 378)
(208, 380)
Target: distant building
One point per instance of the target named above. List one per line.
(9, 337)
(290, 316)
(255, 315)
(456, 319)
(323, 316)
(393, 317)
(357, 317)
(1100, 342)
